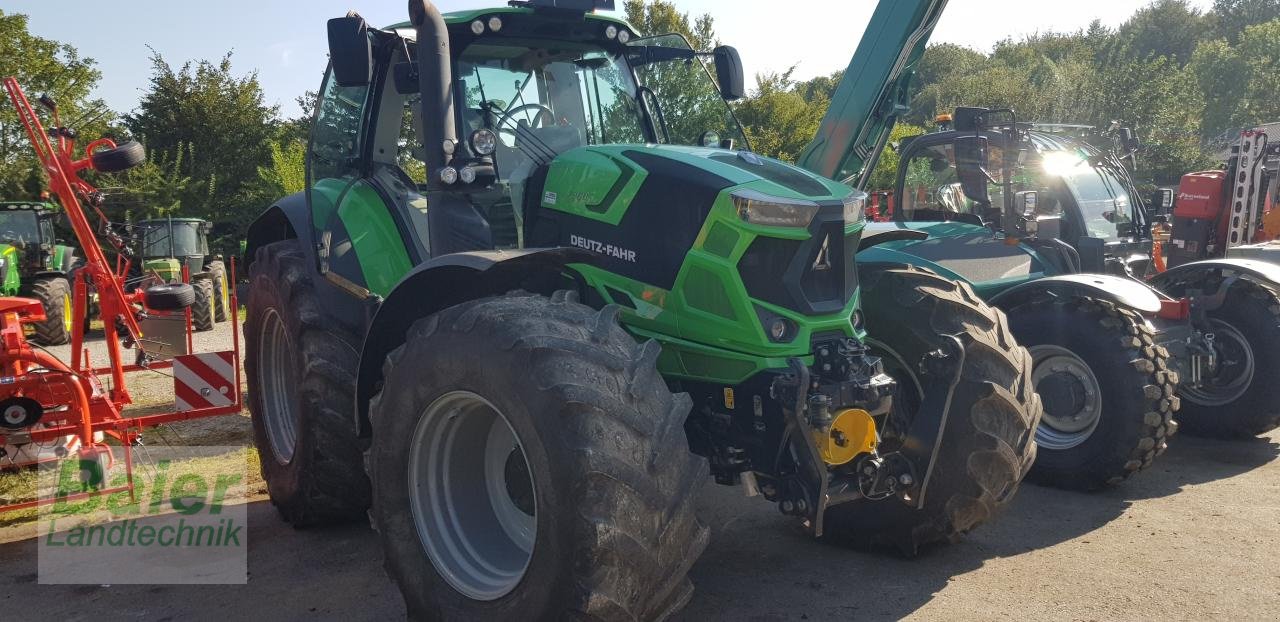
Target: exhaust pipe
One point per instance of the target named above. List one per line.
(435, 79)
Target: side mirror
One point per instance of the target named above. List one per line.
(971, 167)
(1027, 203)
(1166, 198)
(350, 51)
(729, 73)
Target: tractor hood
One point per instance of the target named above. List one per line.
(867, 102)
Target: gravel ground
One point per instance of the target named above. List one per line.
(1195, 537)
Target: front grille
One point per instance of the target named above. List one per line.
(802, 275)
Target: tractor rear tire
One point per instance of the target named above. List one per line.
(221, 295)
(202, 308)
(54, 294)
(1107, 390)
(609, 527)
(1251, 311)
(301, 369)
(989, 441)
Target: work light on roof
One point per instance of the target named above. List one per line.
(477, 27)
(623, 36)
(611, 31)
(495, 23)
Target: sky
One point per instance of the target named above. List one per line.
(285, 40)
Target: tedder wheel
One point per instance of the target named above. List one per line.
(529, 462)
(202, 308)
(300, 365)
(989, 441)
(122, 158)
(1106, 386)
(221, 296)
(169, 296)
(1240, 398)
(54, 294)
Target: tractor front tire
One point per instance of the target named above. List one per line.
(54, 294)
(529, 462)
(1107, 390)
(202, 308)
(1243, 399)
(221, 300)
(301, 369)
(989, 440)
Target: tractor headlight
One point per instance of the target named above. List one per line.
(761, 209)
(855, 206)
(484, 142)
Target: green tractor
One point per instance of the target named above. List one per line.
(33, 263)
(167, 245)
(1068, 198)
(520, 336)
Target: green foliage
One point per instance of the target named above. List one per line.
(42, 66)
(287, 172)
(779, 119)
(227, 130)
(885, 175)
(1239, 81)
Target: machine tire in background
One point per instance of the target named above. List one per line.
(301, 369)
(587, 441)
(202, 310)
(1107, 390)
(169, 296)
(221, 291)
(121, 158)
(54, 294)
(989, 441)
(1247, 334)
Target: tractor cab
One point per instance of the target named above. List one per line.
(1029, 182)
(27, 236)
(165, 246)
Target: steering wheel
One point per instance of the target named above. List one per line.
(542, 117)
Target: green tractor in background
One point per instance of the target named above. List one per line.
(167, 245)
(34, 264)
(520, 338)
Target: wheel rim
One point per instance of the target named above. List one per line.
(66, 312)
(1071, 395)
(225, 297)
(278, 380)
(471, 494)
(1235, 371)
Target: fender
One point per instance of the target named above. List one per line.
(1264, 272)
(872, 237)
(48, 274)
(1120, 290)
(443, 282)
(287, 219)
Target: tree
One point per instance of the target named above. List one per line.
(226, 129)
(779, 119)
(1169, 28)
(885, 175)
(1238, 83)
(42, 66)
(1234, 16)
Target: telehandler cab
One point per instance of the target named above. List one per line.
(521, 334)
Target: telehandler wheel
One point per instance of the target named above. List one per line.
(202, 308)
(300, 365)
(529, 462)
(54, 294)
(1241, 399)
(221, 293)
(1107, 391)
(989, 441)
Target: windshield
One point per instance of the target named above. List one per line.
(1104, 202)
(543, 102)
(185, 240)
(688, 103)
(19, 226)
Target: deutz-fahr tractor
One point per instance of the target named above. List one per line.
(33, 263)
(1215, 324)
(167, 245)
(519, 335)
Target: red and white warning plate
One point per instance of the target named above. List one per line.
(204, 380)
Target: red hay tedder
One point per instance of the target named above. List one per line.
(75, 407)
